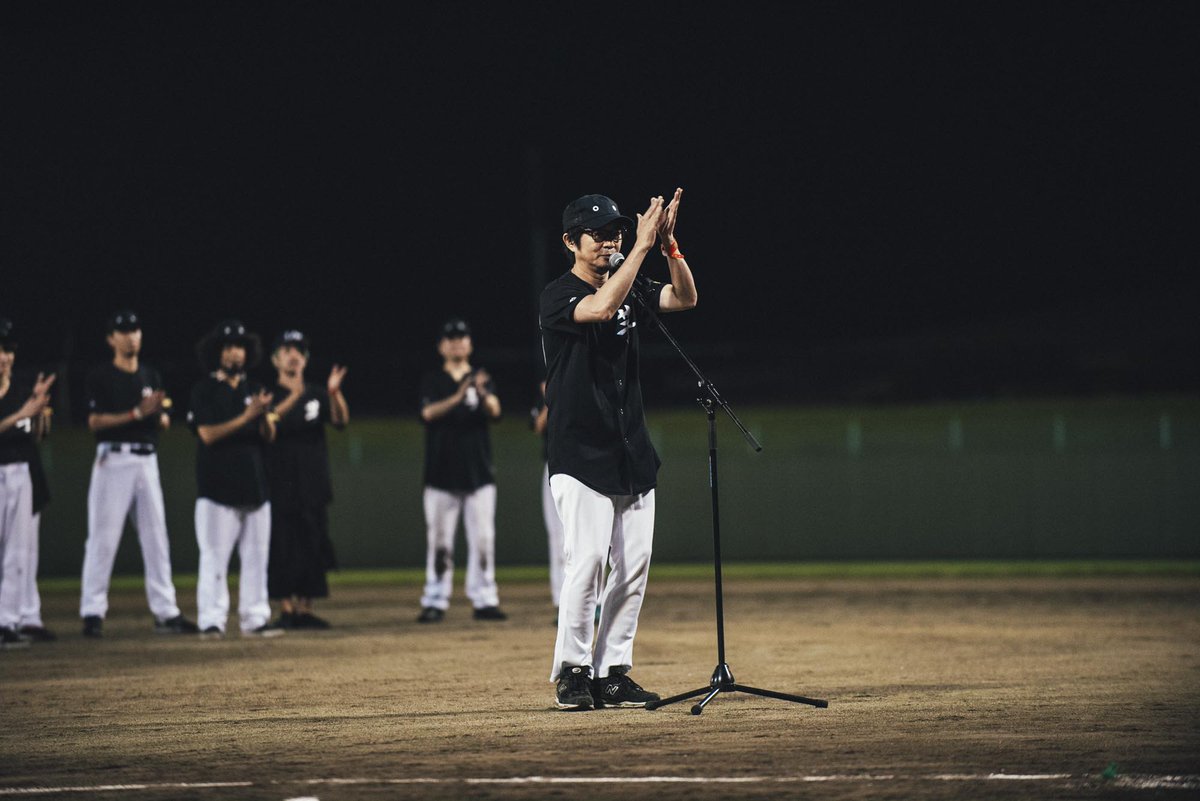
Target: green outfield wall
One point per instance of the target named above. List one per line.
(1115, 478)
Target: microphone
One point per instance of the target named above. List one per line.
(614, 261)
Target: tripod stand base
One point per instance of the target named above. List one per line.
(722, 682)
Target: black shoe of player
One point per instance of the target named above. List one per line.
(490, 613)
(38, 633)
(176, 625)
(93, 626)
(212, 633)
(9, 639)
(286, 620)
(265, 631)
(431, 614)
(617, 689)
(573, 690)
(307, 620)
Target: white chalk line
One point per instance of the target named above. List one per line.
(1131, 781)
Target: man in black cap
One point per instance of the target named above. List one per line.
(602, 464)
(229, 414)
(301, 489)
(125, 401)
(457, 403)
(22, 422)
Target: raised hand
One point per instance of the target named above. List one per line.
(666, 223)
(259, 403)
(334, 385)
(647, 223)
(481, 379)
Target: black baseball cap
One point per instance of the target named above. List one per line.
(124, 321)
(291, 337)
(592, 211)
(454, 328)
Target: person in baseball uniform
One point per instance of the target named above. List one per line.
(230, 415)
(21, 424)
(457, 404)
(125, 412)
(602, 464)
(300, 484)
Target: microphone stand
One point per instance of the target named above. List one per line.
(722, 680)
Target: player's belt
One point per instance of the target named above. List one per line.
(138, 448)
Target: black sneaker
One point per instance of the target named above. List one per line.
(93, 626)
(286, 620)
(9, 639)
(212, 633)
(431, 614)
(573, 690)
(617, 689)
(490, 613)
(266, 630)
(176, 625)
(307, 620)
(38, 633)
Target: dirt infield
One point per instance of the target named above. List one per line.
(949, 688)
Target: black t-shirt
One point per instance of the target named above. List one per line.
(17, 442)
(596, 432)
(458, 449)
(298, 460)
(18, 445)
(112, 390)
(231, 471)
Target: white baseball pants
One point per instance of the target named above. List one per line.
(121, 481)
(218, 529)
(554, 536)
(31, 599)
(478, 509)
(16, 523)
(598, 528)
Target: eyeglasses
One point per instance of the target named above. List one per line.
(605, 234)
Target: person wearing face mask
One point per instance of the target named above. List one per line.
(125, 401)
(230, 415)
(300, 485)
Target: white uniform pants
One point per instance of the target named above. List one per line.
(31, 599)
(554, 536)
(597, 528)
(121, 481)
(218, 529)
(478, 509)
(16, 523)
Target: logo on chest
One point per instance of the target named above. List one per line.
(625, 320)
(311, 410)
(147, 391)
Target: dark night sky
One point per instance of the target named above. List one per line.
(851, 170)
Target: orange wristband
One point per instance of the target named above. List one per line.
(673, 253)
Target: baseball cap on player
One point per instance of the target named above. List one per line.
(291, 337)
(592, 211)
(6, 334)
(123, 321)
(228, 332)
(454, 328)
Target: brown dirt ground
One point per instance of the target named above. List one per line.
(925, 678)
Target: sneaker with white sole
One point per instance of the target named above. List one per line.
(573, 689)
(617, 689)
(265, 630)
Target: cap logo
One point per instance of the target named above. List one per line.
(595, 208)
(292, 336)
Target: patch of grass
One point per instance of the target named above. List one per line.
(1065, 568)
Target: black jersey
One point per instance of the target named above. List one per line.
(111, 390)
(596, 431)
(458, 448)
(298, 460)
(17, 442)
(231, 471)
(18, 445)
